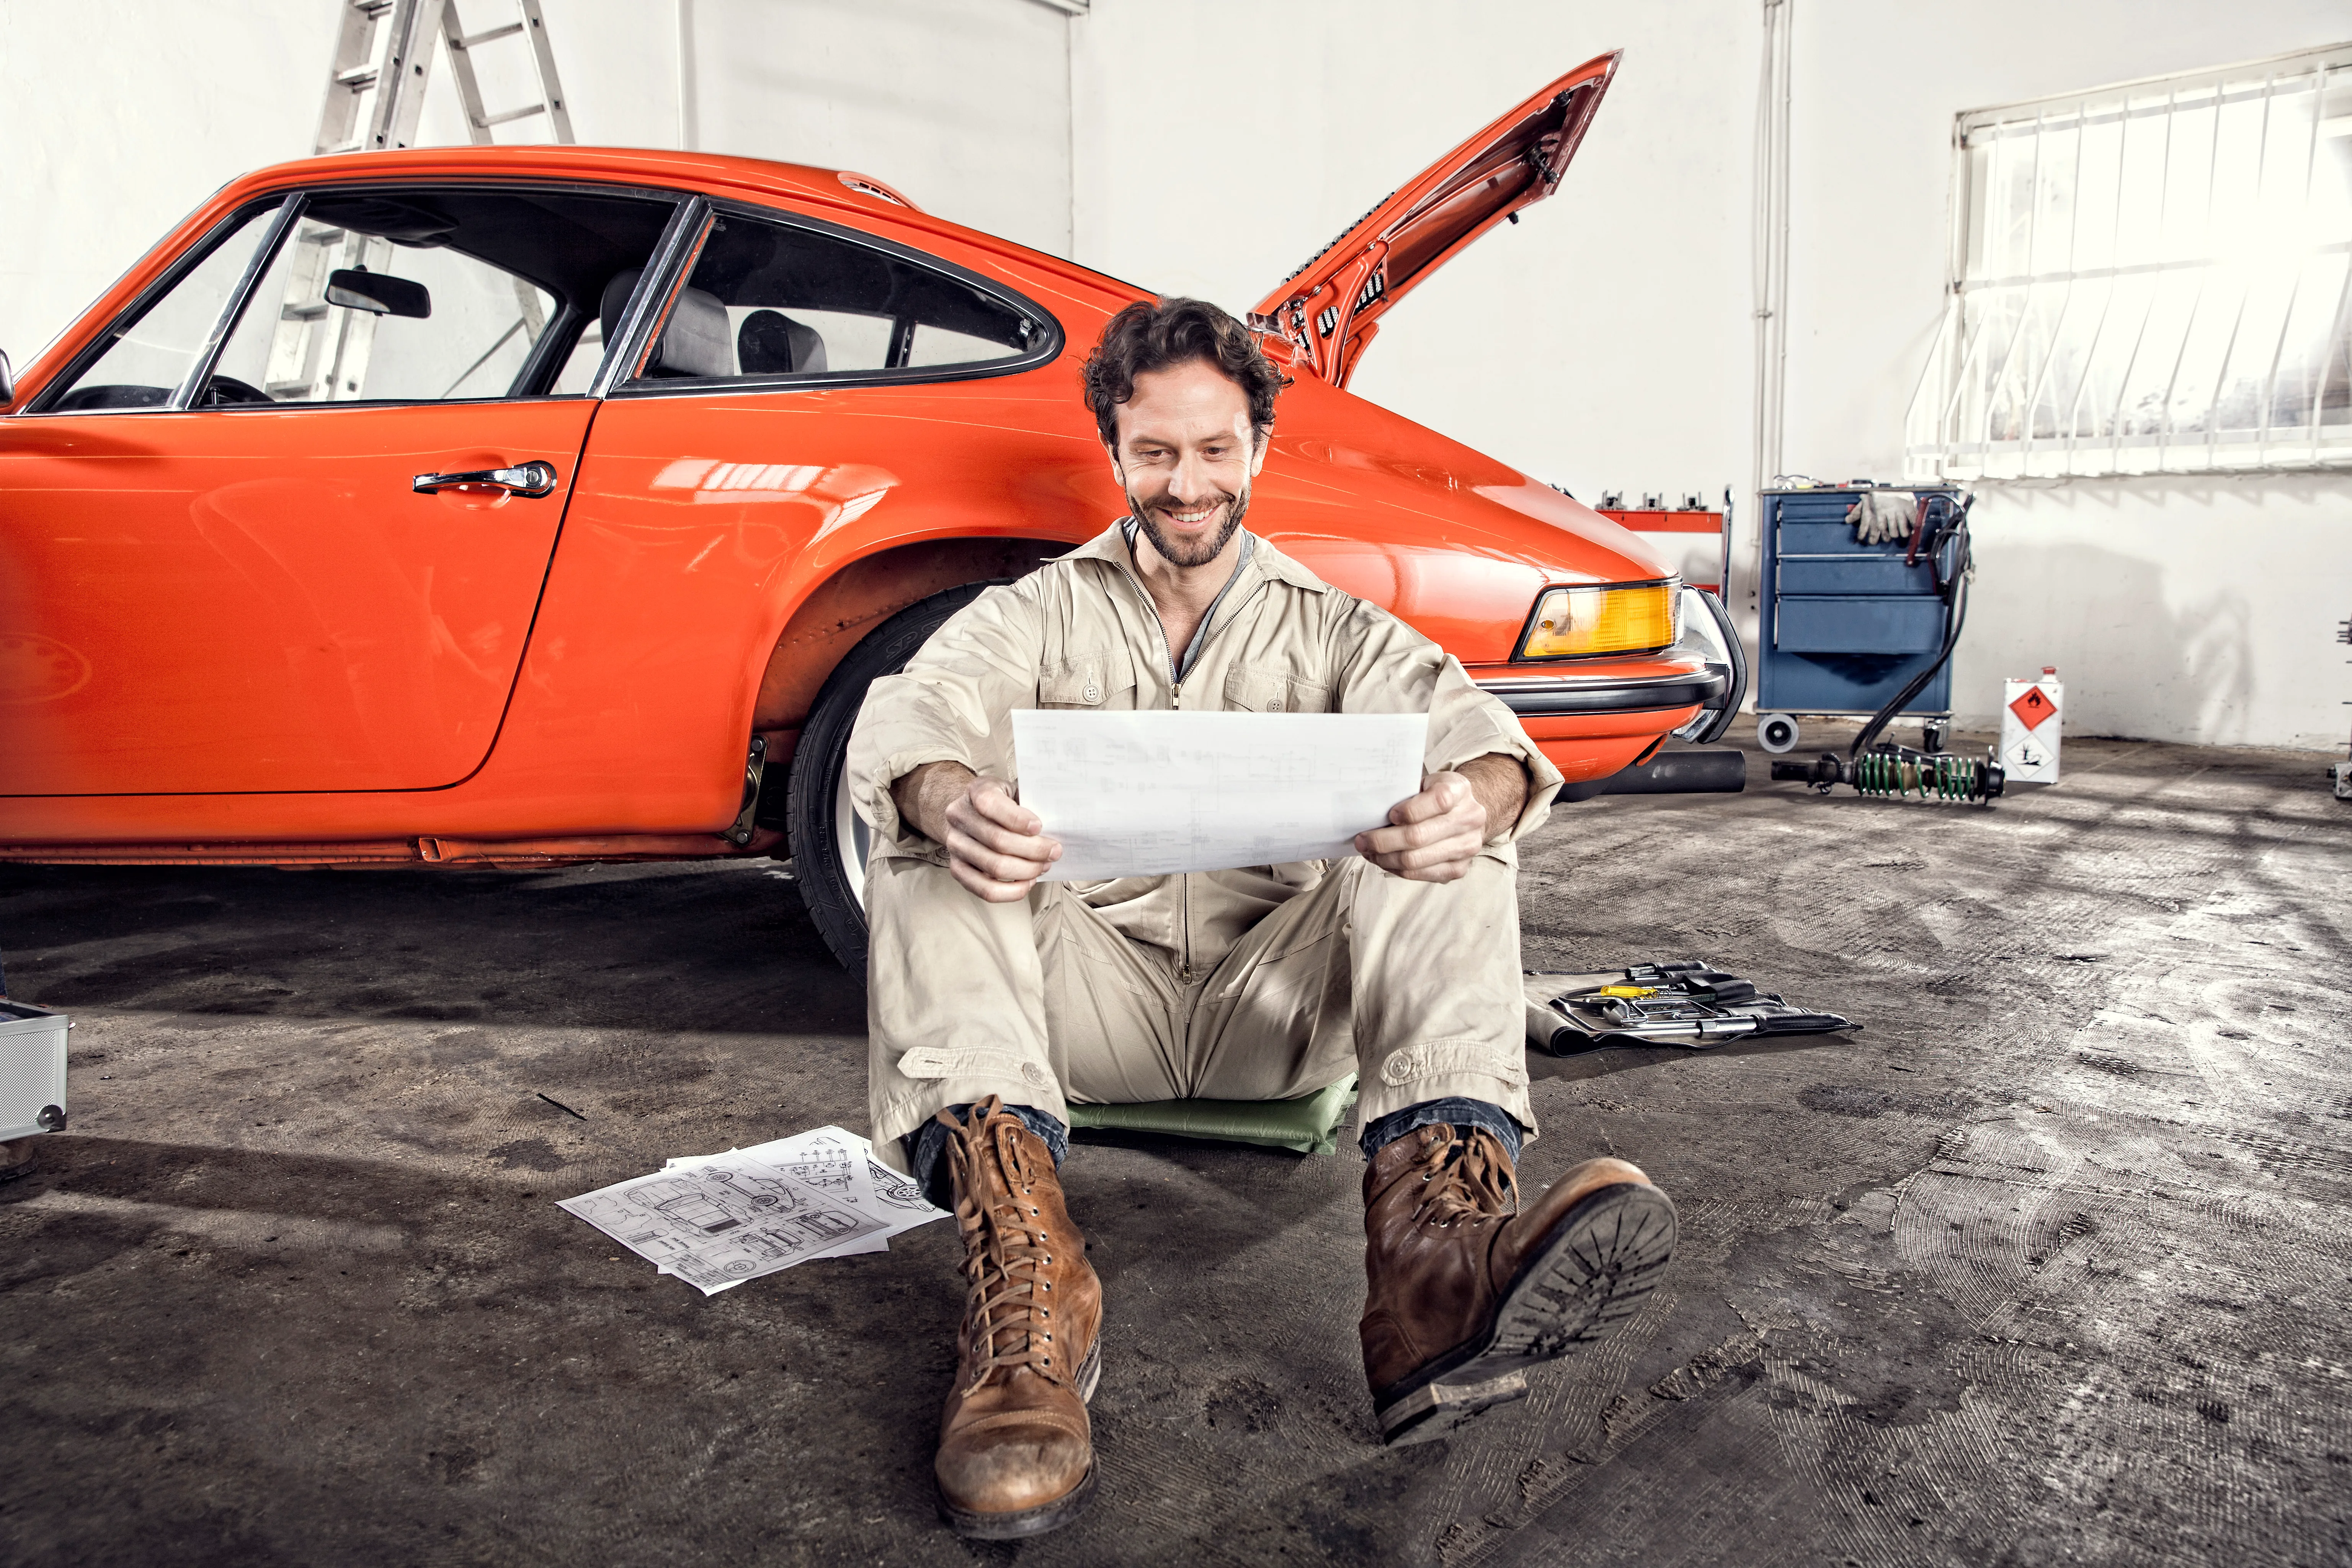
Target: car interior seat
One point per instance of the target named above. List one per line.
(772, 343)
(694, 341)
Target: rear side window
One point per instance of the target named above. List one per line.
(770, 299)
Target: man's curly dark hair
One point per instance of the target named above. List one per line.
(1151, 335)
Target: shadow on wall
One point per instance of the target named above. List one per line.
(2133, 665)
(2196, 609)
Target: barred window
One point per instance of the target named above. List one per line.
(2149, 279)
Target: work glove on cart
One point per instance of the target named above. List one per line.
(1881, 517)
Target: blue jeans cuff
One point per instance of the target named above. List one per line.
(927, 1143)
(1454, 1111)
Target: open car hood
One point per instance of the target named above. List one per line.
(1330, 307)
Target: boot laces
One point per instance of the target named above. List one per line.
(1465, 1179)
(1006, 1248)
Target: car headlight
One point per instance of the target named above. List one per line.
(1631, 617)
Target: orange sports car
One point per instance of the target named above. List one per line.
(513, 506)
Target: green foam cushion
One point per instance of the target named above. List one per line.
(1308, 1125)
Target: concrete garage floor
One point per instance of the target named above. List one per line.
(2049, 1263)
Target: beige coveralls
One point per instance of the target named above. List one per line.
(1268, 983)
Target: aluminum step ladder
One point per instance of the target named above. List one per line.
(376, 95)
(383, 54)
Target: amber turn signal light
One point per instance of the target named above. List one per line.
(1635, 618)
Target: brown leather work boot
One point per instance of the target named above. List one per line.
(1463, 1296)
(1016, 1453)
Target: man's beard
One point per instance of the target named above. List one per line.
(1200, 554)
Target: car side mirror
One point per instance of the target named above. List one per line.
(378, 293)
(7, 383)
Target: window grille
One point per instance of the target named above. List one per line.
(2149, 279)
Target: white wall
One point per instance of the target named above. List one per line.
(1607, 342)
(119, 116)
(964, 105)
(1628, 287)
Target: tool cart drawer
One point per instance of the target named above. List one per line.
(1854, 574)
(1857, 625)
(1835, 537)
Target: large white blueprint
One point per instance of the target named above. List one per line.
(716, 1220)
(722, 1220)
(1146, 793)
(841, 1164)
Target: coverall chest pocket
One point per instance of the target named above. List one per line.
(1251, 690)
(1088, 681)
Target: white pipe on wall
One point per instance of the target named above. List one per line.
(1769, 457)
(689, 131)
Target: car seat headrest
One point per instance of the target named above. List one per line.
(772, 343)
(615, 299)
(694, 341)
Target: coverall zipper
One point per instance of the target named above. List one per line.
(1175, 700)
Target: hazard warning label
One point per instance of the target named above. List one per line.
(2029, 730)
(2032, 706)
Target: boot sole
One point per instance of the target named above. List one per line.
(1590, 1275)
(1045, 1516)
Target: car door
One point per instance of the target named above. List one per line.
(235, 554)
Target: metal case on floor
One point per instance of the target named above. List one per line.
(1843, 625)
(32, 1070)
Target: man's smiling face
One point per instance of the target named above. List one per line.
(1185, 458)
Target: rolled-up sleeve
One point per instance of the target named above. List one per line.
(949, 705)
(1386, 667)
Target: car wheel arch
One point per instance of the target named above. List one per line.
(850, 601)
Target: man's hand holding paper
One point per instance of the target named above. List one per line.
(996, 848)
(1141, 793)
(1154, 793)
(1433, 836)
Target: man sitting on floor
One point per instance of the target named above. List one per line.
(996, 999)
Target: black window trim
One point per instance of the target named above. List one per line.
(687, 210)
(1045, 352)
(649, 306)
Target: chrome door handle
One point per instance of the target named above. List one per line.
(530, 480)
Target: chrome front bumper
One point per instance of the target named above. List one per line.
(1542, 698)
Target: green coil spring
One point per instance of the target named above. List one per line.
(1922, 777)
(1928, 776)
(1897, 773)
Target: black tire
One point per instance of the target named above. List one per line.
(832, 872)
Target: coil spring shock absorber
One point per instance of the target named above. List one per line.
(1899, 773)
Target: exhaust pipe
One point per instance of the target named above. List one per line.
(1713, 770)
(1708, 769)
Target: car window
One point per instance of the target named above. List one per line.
(769, 300)
(294, 345)
(580, 364)
(153, 352)
(396, 294)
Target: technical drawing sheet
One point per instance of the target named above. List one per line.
(1148, 794)
(840, 1163)
(723, 1219)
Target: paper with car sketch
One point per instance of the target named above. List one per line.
(716, 1220)
(1147, 794)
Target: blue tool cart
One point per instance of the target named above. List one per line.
(1843, 627)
